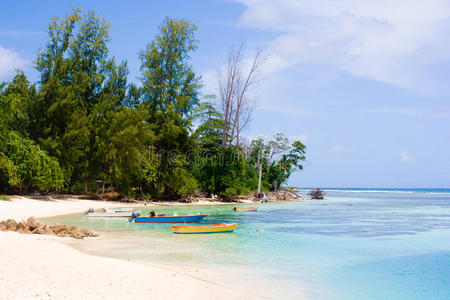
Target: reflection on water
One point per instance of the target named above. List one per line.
(354, 245)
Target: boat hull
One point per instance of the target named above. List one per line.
(204, 229)
(110, 215)
(171, 219)
(120, 211)
(250, 208)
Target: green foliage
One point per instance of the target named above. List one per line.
(81, 92)
(8, 173)
(84, 122)
(222, 173)
(278, 158)
(4, 198)
(170, 92)
(208, 135)
(16, 103)
(27, 165)
(127, 161)
(238, 178)
(169, 84)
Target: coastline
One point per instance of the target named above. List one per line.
(20, 207)
(56, 269)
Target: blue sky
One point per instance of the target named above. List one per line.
(364, 84)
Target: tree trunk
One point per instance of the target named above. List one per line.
(85, 185)
(237, 139)
(103, 187)
(21, 186)
(69, 187)
(225, 129)
(260, 173)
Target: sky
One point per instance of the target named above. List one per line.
(365, 85)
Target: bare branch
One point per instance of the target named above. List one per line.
(234, 85)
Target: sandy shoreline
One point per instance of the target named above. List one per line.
(22, 207)
(38, 267)
(42, 267)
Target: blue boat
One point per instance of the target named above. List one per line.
(171, 219)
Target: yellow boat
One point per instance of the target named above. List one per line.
(248, 208)
(209, 228)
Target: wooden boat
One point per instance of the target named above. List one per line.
(110, 214)
(248, 208)
(170, 219)
(119, 210)
(209, 228)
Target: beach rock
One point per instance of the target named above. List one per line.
(54, 227)
(48, 231)
(33, 226)
(10, 223)
(21, 225)
(61, 234)
(24, 230)
(33, 223)
(87, 233)
(38, 230)
(72, 229)
(58, 228)
(77, 236)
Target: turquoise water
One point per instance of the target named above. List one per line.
(356, 244)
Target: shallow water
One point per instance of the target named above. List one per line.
(356, 244)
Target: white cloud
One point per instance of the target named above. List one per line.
(405, 157)
(412, 112)
(398, 42)
(9, 61)
(339, 149)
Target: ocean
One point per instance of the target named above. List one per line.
(355, 244)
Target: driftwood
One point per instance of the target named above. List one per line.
(316, 194)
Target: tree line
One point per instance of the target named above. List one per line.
(83, 122)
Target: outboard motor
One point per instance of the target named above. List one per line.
(134, 215)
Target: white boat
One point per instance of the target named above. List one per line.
(118, 210)
(112, 214)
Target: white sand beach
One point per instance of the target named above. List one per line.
(22, 207)
(42, 267)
